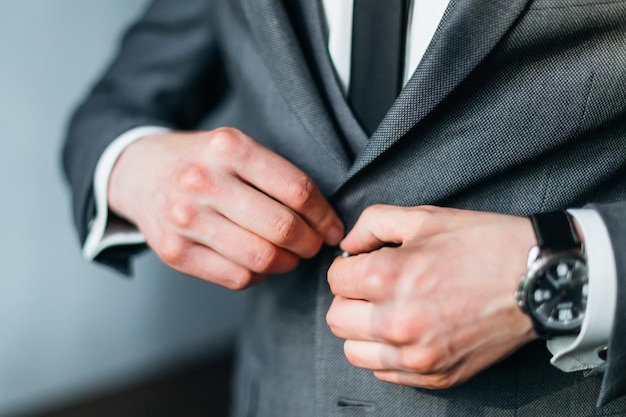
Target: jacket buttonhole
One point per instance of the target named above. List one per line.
(347, 403)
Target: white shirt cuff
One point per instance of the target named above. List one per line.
(581, 352)
(103, 232)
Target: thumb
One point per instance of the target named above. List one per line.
(378, 226)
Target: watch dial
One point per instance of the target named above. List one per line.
(559, 293)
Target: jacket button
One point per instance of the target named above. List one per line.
(602, 352)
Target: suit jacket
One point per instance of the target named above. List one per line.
(518, 106)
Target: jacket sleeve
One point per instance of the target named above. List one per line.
(167, 73)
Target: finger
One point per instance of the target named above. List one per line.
(433, 381)
(267, 218)
(381, 225)
(283, 181)
(452, 373)
(374, 356)
(239, 245)
(365, 276)
(378, 225)
(379, 356)
(350, 319)
(201, 262)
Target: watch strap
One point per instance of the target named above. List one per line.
(555, 231)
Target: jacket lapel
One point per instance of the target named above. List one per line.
(468, 32)
(350, 127)
(281, 52)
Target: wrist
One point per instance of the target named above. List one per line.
(98, 232)
(118, 181)
(123, 188)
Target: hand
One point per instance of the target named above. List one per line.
(437, 309)
(219, 206)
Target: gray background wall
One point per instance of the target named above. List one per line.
(69, 328)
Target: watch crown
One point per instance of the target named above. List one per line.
(533, 255)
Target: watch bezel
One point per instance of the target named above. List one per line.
(538, 262)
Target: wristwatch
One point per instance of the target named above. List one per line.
(554, 290)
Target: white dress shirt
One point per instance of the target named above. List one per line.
(569, 353)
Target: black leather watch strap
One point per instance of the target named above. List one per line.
(555, 231)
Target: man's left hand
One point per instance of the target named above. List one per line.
(427, 299)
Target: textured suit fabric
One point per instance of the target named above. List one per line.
(517, 107)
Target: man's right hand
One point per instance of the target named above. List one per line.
(219, 206)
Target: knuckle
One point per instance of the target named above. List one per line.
(441, 381)
(397, 330)
(240, 280)
(172, 250)
(284, 227)
(351, 355)
(334, 279)
(377, 216)
(312, 248)
(380, 275)
(194, 178)
(375, 282)
(371, 213)
(181, 214)
(226, 141)
(423, 362)
(331, 321)
(427, 219)
(262, 258)
(301, 190)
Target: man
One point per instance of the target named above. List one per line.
(242, 139)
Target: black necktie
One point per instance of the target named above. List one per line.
(378, 33)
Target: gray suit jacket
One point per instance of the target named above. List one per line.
(519, 106)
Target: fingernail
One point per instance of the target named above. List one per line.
(334, 235)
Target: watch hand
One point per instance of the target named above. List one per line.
(548, 307)
(564, 275)
(556, 283)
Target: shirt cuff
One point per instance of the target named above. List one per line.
(581, 352)
(105, 232)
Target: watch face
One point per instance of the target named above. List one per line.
(557, 294)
